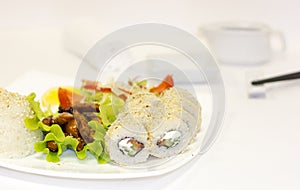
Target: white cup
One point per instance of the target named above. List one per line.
(242, 42)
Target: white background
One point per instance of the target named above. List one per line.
(26, 26)
(258, 147)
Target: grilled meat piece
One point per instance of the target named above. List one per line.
(91, 116)
(74, 122)
(63, 118)
(81, 144)
(48, 120)
(86, 132)
(52, 146)
(61, 110)
(86, 107)
(71, 129)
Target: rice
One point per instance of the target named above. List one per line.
(16, 141)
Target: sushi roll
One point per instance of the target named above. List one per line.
(127, 139)
(181, 98)
(185, 106)
(190, 98)
(160, 126)
(127, 144)
(170, 139)
(145, 108)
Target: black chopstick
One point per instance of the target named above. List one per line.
(290, 76)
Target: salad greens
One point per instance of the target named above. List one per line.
(109, 106)
(56, 135)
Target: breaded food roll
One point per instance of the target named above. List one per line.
(181, 98)
(127, 139)
(127, 144)
(170, 138)
(161, 126)
(184, 105)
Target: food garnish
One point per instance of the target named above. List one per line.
(167, 83)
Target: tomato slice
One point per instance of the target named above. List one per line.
(167, 83)
(93, 85)
(66, 97)
(125, 91)
(123, 97)
(104, 89)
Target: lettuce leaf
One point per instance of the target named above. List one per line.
(72, 143)
(99, 130)
(110, 106)
(35, 122)
(142, 83)
(56, 134)
(104, 157)
(32, 123)
(35, 106)
(97, 147)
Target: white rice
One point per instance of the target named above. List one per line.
(16, 141)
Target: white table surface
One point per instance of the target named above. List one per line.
(258, 147)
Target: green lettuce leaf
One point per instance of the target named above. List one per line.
(56, 134)
(104, 157)
(35, 122)
(95, 125)
(32, 123)
(72, 143)
(44, 127)
(35, 106)
(91, 95)
(97, 147)
(142, 83)
(110, 106)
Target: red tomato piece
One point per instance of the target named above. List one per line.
(167, 83)
(104, 89)
(66, 97)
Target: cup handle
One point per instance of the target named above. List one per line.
(278, 43)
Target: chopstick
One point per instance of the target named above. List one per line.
(290, 76)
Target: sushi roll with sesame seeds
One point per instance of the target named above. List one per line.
(184, 105)
(157, 125)
(127, 139)
(181, 98)
(127, 145)
(170, 138)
